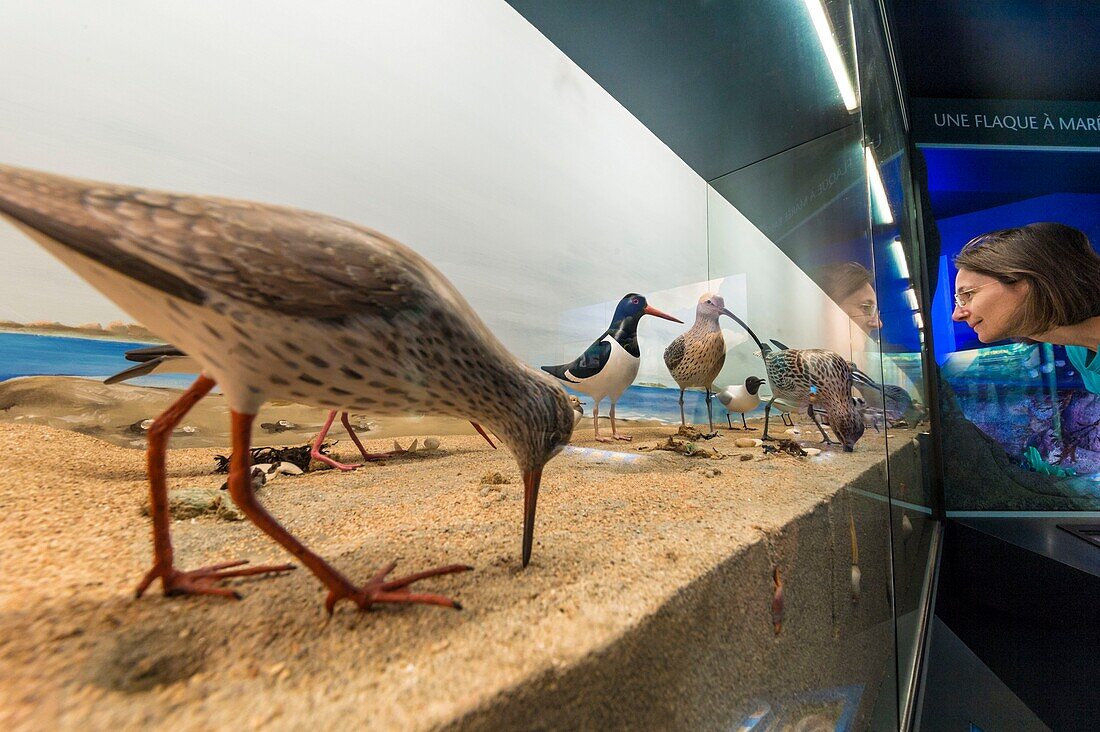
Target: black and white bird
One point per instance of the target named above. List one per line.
(741, 398)
(610, 364)
(240, 286)
(696, 357)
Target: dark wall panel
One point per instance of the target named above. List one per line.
(722, 83)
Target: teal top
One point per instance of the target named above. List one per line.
(1087, 364)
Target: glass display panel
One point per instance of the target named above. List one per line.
(454, 307)
(1020, 412)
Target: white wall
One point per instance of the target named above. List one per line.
(453, 126)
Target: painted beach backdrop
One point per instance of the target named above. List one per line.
(32, 354)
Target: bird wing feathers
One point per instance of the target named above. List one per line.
(141, 369)
(674, 354)
(290, 261)
(587, 365)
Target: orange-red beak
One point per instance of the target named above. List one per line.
(650, 310)
(531, 480)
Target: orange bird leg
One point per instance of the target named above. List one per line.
(197, 581)
(339, 586)
(481, 432)
(316, 453)
(368, 456)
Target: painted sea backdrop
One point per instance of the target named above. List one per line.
(31, 354)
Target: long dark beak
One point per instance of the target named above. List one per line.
(650, 310)
(531, 480)
(725, 311)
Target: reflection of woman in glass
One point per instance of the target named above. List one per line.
(1039, 282)
(848, 284)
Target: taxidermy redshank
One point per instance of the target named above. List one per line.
(610, 364)
(240, 287)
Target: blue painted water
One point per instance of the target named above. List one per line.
(654, 402)
(26, 354)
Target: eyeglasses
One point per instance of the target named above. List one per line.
(962, 299)
(868, 309)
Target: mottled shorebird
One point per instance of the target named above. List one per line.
(741, 398)
(240, 286)
(891, 403)
(169, 359)
(815, 379)
(611, 363)
(696, 357)
(578, 410)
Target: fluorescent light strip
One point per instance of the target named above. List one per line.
(878, 190)
(832, 53)
(897, 251)
(911, 297)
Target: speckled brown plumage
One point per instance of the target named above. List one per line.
(281, 303)
(699, 364)
(696, 357)
(818, 379)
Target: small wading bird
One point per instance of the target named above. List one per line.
(815, 379)
(238, 286)
(741, 399)
(696, 357)
(611, 363)
(171, 360)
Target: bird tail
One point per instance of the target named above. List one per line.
(42, 205)
(146, 367)
(558, 372)
(860, 377)
(141, 355)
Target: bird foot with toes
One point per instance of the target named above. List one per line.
(394, 591)
(346, 467)
(201, 581)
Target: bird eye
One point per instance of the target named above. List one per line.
(634, 300)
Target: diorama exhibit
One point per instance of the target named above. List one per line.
(416, 365)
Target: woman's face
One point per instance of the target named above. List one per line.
(862, 307)
(990, 306)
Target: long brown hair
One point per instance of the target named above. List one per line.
(841, 279)
(1057, 262)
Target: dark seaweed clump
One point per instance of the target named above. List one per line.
(789, 447)
(297, 455)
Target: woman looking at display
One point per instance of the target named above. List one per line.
(1039, 282)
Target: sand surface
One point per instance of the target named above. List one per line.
(114, 413)
(614, 541)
